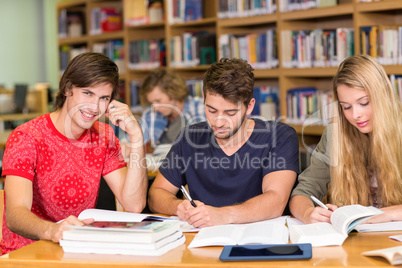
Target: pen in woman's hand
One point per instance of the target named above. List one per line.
(187, 195)
(318, 202)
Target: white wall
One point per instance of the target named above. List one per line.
(28, 42)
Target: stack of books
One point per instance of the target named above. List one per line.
(148, 237)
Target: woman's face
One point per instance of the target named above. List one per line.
(356, 107)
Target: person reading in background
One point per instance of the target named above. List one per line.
(171, 108)
(53, 164)
(237, 170)
(360, 153)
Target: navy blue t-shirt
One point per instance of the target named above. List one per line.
(221, 180)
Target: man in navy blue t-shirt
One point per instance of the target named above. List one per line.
(237, 170)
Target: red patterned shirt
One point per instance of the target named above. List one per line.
(65, 173)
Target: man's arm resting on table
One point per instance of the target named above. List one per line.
(276, 188)
(22, 221)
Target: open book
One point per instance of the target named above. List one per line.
(343, 221)
(110, 215)
(393, 255)
(264, 232)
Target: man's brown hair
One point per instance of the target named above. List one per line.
(233, 79)
(168, 82)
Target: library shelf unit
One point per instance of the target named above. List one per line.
(37, 104)
(346, 14)
(84, 37)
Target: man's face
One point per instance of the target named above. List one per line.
(86, 105)
(224, 117)
(161, 102)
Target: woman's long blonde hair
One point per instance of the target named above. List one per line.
(358, 155)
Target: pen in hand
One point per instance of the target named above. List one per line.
(187, 195)
(318, 202)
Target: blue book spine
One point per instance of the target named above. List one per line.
(262, 53)
(193, 10)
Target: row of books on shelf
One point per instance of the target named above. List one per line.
(102, 20)
(71, 23)
(105, 19)
(396, 82)
(192, 49)
(316, 48)
(67, 53)
(266, 102)
(260, 50)
(195, 87)
(184, 10)
(308, 102)
(292, 5)
(383, 42)
(146, 54)
(245, 8)
(114, 49)
(138, 12)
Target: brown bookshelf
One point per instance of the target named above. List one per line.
(348, 13)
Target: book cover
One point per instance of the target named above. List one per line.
(193, 10)
(110, 19)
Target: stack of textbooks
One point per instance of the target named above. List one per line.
(148, 238)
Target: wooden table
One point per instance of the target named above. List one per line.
(47, 254)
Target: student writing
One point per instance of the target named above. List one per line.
(237, 169)
(360, 153)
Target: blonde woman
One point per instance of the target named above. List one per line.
(360, 153)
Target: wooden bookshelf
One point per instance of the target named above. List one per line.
(36, 103)
(348, 13)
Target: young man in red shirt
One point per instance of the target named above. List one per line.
(53, 164)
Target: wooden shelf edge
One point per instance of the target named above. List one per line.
(10, 117)
(315, 130)
(107, 36)
(310, 72)
(195, 68)
(248, 21)
(145, 26)
(71, 3)
(201, 22)
(266, 73)
(73, 40)
(379, 6)
(393, 69)
(332, 11)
